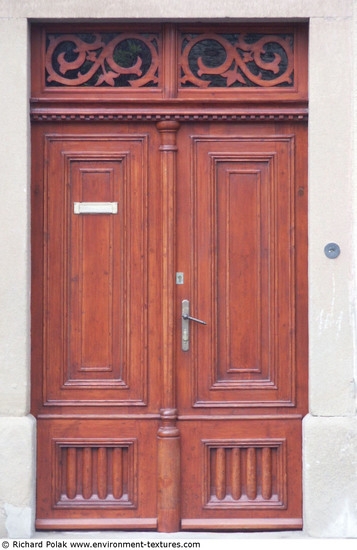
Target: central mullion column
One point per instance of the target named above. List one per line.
(168, 434)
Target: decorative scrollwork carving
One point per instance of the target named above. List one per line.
(105, 59)
(231, 60)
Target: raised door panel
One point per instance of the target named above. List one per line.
(241, 474)
(96, 270)
(238, 255)
(96, 474)
(96, 342)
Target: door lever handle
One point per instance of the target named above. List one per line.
(185, 316)
(185, 325)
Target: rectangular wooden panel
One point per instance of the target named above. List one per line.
(243, 271)
(92, 470)
(96, 271)
(95, 473)
(94, 274)
(240, 275)
(251, 471)
(245, 473)
(248, 346)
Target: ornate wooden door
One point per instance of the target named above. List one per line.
(101, 297)
(241, 205)
(158, 202)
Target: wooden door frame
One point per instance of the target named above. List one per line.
(168, 115)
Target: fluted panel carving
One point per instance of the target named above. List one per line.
(241, 474)
(95, 474)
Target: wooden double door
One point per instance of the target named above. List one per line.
(146, 418)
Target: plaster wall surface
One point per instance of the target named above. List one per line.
(330, 476)
(14, 216)
(176, 9)
(330, 430)
(331, 283)
(17, 450)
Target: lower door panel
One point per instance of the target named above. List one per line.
(249, 476)
(96, 474)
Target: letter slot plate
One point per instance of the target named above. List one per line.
(95, 207)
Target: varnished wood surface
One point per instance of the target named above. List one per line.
(170, 58)
(168, 435)
(244, 273)
(96, 268)
(251, 472)
(132, 432)
(96, 523)
(247, 524)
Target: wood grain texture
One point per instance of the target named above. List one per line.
(168, 434)
(210, 181)
(168, 149)
(244, 496)
(117, 472)
(240, 524)
(98, 473)
(169, 473)
(71, 473)
(87, 473)
(102, 472)
(96, 523)
(245, 474)
(123, 489)
(251, 473)
(220, 473)
(95, 270)
(236, 473)
(156, 78)
(243, 271)
(266, 473)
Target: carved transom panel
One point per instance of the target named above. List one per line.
(170, 61)
(234, 60)
(102, 59)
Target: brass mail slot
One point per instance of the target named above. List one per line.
(95, 207)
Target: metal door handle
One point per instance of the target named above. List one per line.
(185, 316)
(185, 325)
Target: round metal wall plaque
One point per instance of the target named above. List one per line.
(332, 250)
